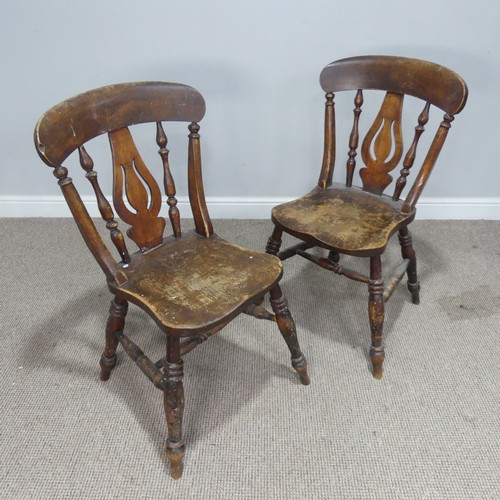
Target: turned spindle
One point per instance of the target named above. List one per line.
(168, 181)
(410, 155)
(105, 210)
(376, 314)
(354, 138)
(174, 406)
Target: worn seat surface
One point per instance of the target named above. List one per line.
(193, 282)
(348, 220)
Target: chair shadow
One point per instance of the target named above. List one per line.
(313, 288)
(206, 381)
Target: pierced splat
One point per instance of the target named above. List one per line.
(385, 136)
(168, 181)
(412, 152)
(105, 209)
(130, 173)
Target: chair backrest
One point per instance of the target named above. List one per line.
(382, 147)
(67, 126)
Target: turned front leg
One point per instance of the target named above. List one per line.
(408, 252)
(376, 313)
(174, 406)
(287, 328)
(116, 323)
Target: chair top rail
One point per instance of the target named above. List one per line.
(426, 80)
(68, 125)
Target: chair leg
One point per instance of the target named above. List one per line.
(274, 241)
(272, 248)
(376, 313)
(174, 406)
(116, 322)
(408, 252)
(287, 328)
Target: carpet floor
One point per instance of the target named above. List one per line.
(430, 429)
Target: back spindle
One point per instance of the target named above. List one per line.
(168, 181)
(428, 164)
(104, 207)
(354, 138)
(326, 175)
(410, 155)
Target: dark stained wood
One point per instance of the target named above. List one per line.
(394, 281)
(260, 312)
(376, 314)
(408, 252)
(412, 152)
(103, 204)
(168, 181)
(202, 220)
(142, 361)
(331, 265)
(184, 287)
(423, 79)
(428, 165)
(384, 137)
(130, 178)
(346, 219)
(174, 406)
(75, 121)
(293, 250)
(187, 344)
(87, 228)
(274, 241)
(115, 324)
(326, 174)
(191, 284)
(333, 257)
(354, 138)
(287, 328)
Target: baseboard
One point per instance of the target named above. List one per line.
(251, 208)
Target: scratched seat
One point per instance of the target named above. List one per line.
(221, 276)
(359, 220)
(191, 283)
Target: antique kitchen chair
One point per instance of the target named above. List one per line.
(359, 221)
(191, 283)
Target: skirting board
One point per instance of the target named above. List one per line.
(251, 208)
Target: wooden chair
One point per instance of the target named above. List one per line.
(191, 283)
(359, 221)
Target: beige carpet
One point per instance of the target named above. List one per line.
(430, 429)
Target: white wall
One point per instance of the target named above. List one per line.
(257, 64)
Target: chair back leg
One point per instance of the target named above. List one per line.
(408, 252)
(376, 314)
(174, 406)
